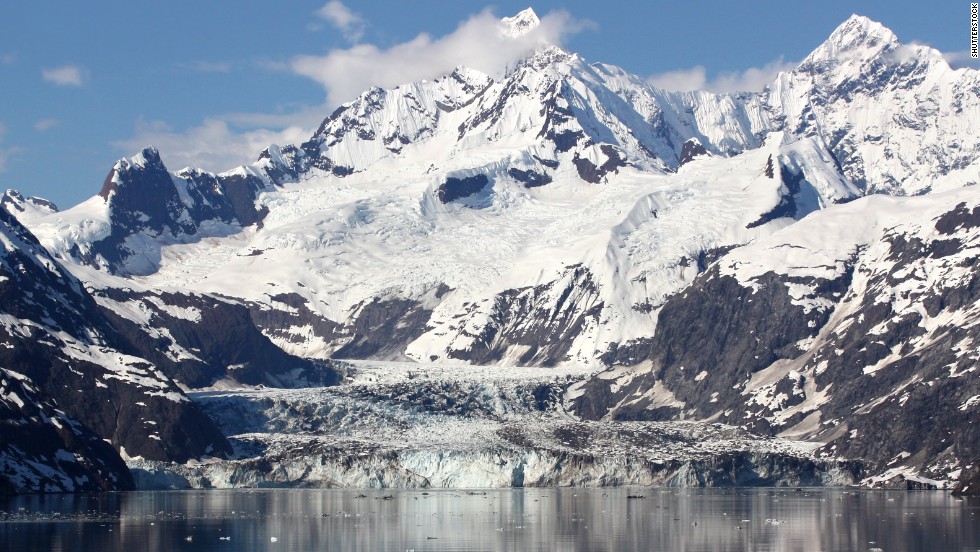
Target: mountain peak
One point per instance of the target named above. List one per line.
(146, 157)
(520, 24)
(857, 37)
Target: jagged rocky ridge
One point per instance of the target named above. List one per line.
(557, 214)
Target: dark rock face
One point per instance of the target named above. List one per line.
(703, 330)
(454, 189)
(12, 199)
(282, 324)
(383, 328)
(207, 339)
(969, 483)
(589, 172)
(789, 192)
(543, 321)
(529, 178)
(691, 150)
(145, 198)
(60, 341)
(43, 450)
(960, 218)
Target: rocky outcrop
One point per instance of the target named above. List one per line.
(199, 340)
(45, 451)
(530, 326)
(143, 198)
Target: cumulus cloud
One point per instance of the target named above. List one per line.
(69, 75)
(753, 79)
(340, 16)
(477, 43)
(217, 144)
(46, 124)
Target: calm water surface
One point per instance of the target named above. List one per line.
(590, 520)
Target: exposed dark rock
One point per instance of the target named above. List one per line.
(969, 482)
(566, 139)
(145, 198)
(550, 163)
(589, 172)
(280, 323)
(458, 188)
(960, 218)
(543, 321)
(529, 178)
(383, 328)
(43, 450)
(789, 191)
(704, 329)
(208, 339)
(691, 150)
(12, 199)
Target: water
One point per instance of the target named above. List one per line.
(591, 520)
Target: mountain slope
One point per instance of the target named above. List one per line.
(856, 327)
(43, 450)
(54, 335)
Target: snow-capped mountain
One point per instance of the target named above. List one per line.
(895, 116)
(569, 213)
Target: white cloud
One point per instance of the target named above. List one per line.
(7, 59)
(958, 60)
(753, 79)
(682, 80)
(476, 43)
(69, 75)
(215, 145)
(349, 23)
(46, 124)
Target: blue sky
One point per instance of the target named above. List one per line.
(212, 83)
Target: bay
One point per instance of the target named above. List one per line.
(529, 519)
